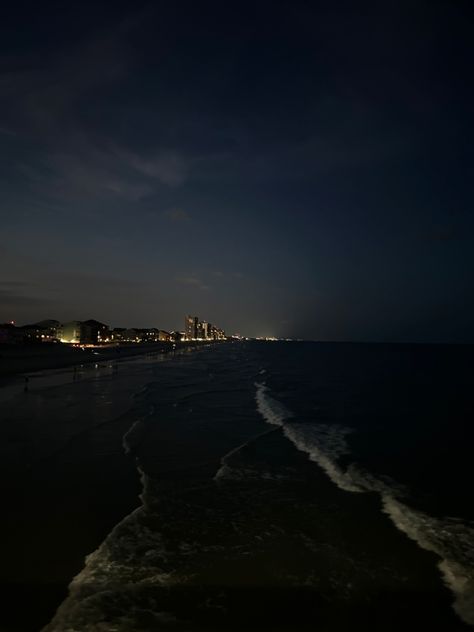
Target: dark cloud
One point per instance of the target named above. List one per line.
(12, 302)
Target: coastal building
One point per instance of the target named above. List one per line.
(95, 332)
(33, 334)
(154, 335)
(88, 332)
(178, 336)
(72, 332)
(191, 327)
(136, 334)
(215, 333)
(117, 334)
(43, 331)
(202, 330)
(131, 335)
(146, 335)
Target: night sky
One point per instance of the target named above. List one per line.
(296, 169)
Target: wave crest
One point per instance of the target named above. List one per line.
(450, 539)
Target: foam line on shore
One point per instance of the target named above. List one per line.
(226, 471)
(132, 556)
(450, 539)
(111, 574)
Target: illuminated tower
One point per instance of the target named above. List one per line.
(191, 327)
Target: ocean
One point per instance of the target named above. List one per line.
(258, 486)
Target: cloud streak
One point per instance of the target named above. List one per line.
(194, 282)
(167, 168)
(68, 156)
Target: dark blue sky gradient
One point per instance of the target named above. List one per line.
(290, 169)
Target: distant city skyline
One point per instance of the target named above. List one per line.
(98, 332)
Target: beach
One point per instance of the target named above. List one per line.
(18, 359)
(215, 489)
(65, 477)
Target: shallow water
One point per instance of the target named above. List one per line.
(258, 510)
(61, 455)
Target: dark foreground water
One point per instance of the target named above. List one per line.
(285, 486)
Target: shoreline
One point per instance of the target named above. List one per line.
(56, 551)
(89, 473)
(16, 360)
(92, 477)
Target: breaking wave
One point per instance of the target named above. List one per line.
(450, 539)
(118, 585)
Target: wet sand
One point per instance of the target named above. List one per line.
(16, 360)
(57, 516)
(64, 482)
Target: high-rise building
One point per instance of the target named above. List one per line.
(205, 330)
(191, 325)
(201, 330)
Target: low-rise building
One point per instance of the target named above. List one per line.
(96, 332)
(44, 331)
(72, 332)
(87, 332)
(117, 334)
(178, 336)
(150, 335)
(132, 334)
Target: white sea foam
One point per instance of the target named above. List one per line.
(127, 439)
(299, 437)
(271, 410)
(227, 472)
(130, 559)
(323, 443)
(134, 434)
(449, 538)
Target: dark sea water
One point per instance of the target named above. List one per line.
(290, 486)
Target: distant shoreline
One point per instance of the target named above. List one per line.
(18, 360)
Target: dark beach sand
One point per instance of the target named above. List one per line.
(58, 513)
(64, 481)
(16, 359)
